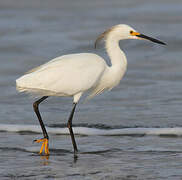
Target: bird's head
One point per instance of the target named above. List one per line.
(123, 31)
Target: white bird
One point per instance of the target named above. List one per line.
(74, 74)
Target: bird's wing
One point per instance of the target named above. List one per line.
(66, 75)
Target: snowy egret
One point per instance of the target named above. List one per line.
(74, 74)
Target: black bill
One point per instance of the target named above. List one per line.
(150, 38)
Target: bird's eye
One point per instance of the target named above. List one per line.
(131, 32)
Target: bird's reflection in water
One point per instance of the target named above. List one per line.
(45, 159)
(75, 158)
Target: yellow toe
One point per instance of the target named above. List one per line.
(45, 145)
(42, 147)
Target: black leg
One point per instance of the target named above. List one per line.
(36, 109)
(71, 130)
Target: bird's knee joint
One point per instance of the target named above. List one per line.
(35, 105)
(69, 125)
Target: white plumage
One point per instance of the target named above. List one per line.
(71, 75)
(74, 74)
(64, 76)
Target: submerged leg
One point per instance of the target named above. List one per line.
(71, 130)
(45, 134)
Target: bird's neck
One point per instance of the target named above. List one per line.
(117, 56)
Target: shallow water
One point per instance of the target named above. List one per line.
(131, 132)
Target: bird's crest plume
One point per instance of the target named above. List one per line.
(102, 36)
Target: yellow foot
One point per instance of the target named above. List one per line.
(44, 145)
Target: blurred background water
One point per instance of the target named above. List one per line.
(149, 96)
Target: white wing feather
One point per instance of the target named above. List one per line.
(64, 76)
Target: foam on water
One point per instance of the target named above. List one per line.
(176, 131)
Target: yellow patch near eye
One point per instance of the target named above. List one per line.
(134, 33)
